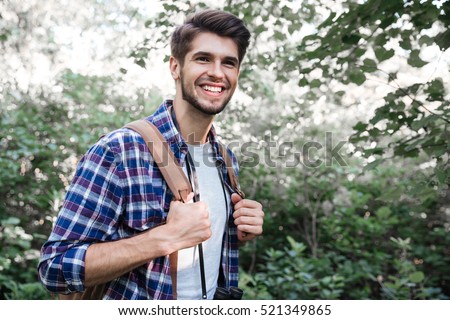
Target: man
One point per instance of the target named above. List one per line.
(118, 224)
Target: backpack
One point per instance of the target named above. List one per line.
(177, 182)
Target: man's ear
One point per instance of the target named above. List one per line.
(174, 66)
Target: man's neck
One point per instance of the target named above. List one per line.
(194, 124)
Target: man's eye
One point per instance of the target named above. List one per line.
(230, 63)
(203, 59)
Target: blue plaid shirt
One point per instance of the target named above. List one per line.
(117, 192)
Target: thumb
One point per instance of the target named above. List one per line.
(175, 203)
(235, 198)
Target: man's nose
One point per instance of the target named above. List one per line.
(215, 70)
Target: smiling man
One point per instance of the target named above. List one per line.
(208, 74)
(119, 225)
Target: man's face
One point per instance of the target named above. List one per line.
(210, 73)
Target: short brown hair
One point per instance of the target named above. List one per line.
(216, 21)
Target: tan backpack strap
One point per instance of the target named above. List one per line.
(165, 159)
(172, 172)
(231, 173)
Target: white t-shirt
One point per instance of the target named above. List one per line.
(211, 191)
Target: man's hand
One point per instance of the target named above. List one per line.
(248, 217)
(188, 223)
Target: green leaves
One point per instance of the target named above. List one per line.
(443, 40)
(4, 37)
(392, 195)
(360, 127)
(423, 122)
(417, 277)
(387, 21)
(415, 60)
(369, 65)
(11, 221)
(435, 90)
(382, 54)
(372, 165)
(357, 76)
(140, 62)
(351, 39)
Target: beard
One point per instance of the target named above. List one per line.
(208, 108)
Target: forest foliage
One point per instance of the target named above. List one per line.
(341, 128)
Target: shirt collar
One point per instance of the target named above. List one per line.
(162, 119)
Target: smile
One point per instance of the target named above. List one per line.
(212, 88)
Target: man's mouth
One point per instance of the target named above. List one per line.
(212, 88)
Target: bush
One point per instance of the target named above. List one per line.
(366, 247)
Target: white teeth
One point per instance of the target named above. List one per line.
(213, 89)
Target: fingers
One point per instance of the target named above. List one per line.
(202, 207)
(249, 224)
(246, 203)
(246, 230)
(188, 223)
(190, 197)
(177, 203)
(249, 212)
(235, 198)
(249, 218)
(189, 211)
